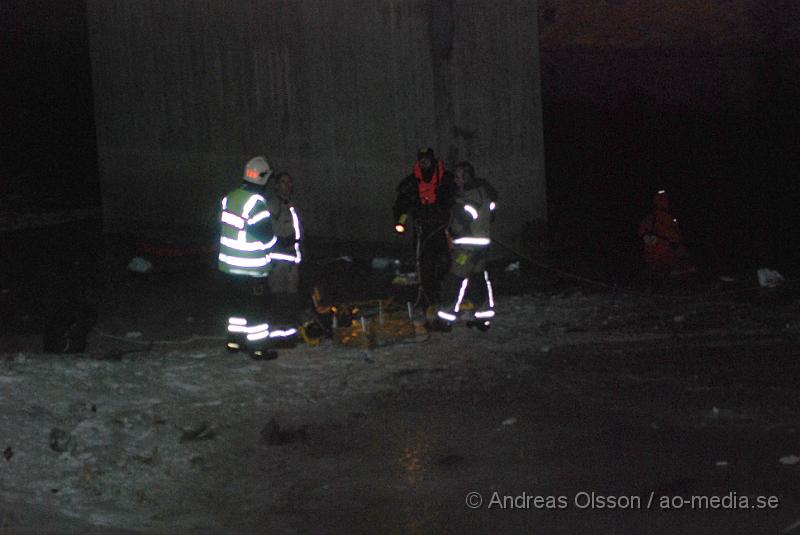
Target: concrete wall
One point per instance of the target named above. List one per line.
(339, 92)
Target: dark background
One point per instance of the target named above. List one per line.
(698, 98)
(49, 159)
(702, 103)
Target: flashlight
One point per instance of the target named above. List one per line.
(400, 227)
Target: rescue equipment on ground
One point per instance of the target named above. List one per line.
(364, 324)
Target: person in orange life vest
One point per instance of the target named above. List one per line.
(664, 249)
(422, 204)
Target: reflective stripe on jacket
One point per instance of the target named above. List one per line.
(471, 219)
(286, 226)
(246, 234)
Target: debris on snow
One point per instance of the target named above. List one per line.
(405, 279)
(140, 265)
(273, 435)
(381, 262)
(768, 278)
(201, 432)
(790, 459)
(153, 459)
(510, 421)
(60, 440)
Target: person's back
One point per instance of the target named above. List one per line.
(246, 240)
(477, 201)
(246, 233)
(472, 213)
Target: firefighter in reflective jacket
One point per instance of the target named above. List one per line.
(246, 239)
(286, 255)
(472, 212)
(423, 197)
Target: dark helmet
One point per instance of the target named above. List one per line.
(425, 152)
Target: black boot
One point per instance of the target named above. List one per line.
(482, 326)
(440, 325)
(235, 343)
(262, 353)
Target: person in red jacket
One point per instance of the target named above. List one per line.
(664, 249)
(423, 200)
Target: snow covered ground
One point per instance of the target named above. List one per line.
(188, 438)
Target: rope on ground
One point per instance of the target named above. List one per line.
(151, 343)
(614, 287)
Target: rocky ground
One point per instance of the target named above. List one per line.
(688, 392)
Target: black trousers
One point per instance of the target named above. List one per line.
(467, 279)
(434, 256)
(245, 297)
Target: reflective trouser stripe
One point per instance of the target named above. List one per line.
(481, 314)
(472, 241)
(489, 288)
(446, 316)
(258, 336)
(283, 334)
(461, 293)
(235, 328)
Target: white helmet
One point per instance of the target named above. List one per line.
(257, 171)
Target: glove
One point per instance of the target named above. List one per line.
(649, 239)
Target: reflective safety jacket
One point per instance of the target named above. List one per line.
(286, 227)
(471, 215)
(246, 234)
